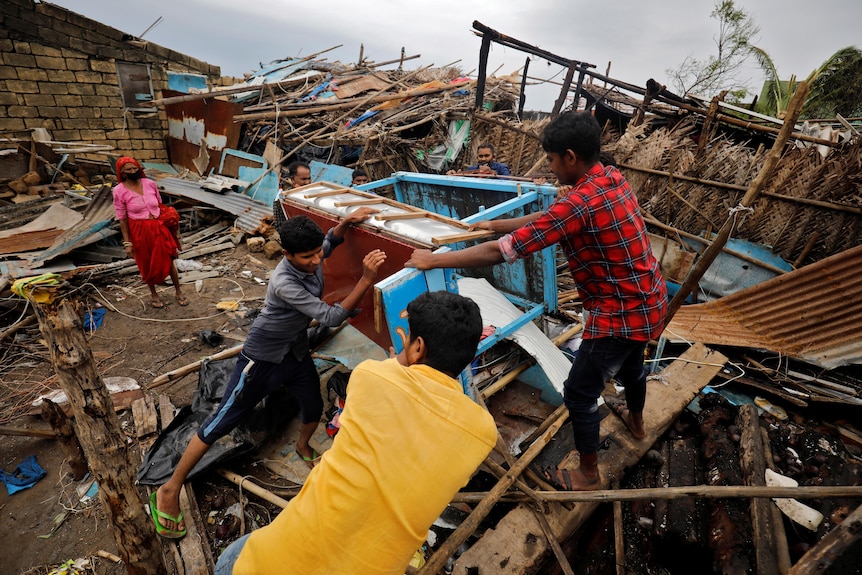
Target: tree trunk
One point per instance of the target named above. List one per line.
(65, 433)
(101, 437)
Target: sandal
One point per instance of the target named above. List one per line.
(182, 300)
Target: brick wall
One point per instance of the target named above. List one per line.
(58, 72)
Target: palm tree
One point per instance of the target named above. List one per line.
(834, 86)
(835, 89)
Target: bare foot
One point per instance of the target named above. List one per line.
(169, 504)
(157, 303)
(572, 479)
(633, 422)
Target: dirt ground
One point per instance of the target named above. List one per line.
(137, 341)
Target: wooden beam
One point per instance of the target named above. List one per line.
(818, 559)
(753, 467)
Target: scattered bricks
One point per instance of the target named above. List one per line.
(18, 186)
(48, 189)
(31, 179)
(271, 249)
(255, 244)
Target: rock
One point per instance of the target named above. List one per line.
(272, 249)
(255, 244)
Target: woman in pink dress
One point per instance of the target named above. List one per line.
(151, 231)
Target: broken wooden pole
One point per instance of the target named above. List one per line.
(821, 556)
(435, 562)
(20, 432)
(101, 437)
(65, 433)
(709, 255)
(702, 491)
(522, 96)
(567, 82)
(554, 543)
(619, 542)
(754, 473)
(183, 371)
(484, 49)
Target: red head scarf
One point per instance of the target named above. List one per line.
(127, 160)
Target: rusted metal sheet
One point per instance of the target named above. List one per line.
(249, 213)
(200, 124)
(813, 313)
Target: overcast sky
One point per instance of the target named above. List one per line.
(640, 40)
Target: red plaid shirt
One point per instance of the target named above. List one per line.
(599, 227)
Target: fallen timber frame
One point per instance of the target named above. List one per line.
(489, 35)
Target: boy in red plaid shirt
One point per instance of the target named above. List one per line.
(600, 229)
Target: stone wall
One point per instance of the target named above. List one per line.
(58, 72)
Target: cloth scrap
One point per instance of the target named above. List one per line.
(25, 475)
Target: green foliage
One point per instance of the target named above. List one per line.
(835, 87)
(719, 71)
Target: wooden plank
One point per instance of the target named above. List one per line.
(503, 546)
(146, 420)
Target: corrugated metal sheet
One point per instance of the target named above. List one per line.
(813, 313)
(249, 213)
(97, 219)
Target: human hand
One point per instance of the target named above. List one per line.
(360, 215)
(540, 181)
(130, 251)
(451, 173)
(482, 225)
(371, 264)
(421, 260)
(486, 169)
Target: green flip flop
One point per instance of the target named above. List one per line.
(161, 529)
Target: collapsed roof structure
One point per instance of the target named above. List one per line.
(692, 164)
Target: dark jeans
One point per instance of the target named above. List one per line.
(598, 361)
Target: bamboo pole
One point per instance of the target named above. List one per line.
(316, 108)
(741, 188)
(251, 487)
(192, 367)
(702, 491)
(709, 255)
(553, 543)
(460, 535)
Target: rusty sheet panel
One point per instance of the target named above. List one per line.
(204, 123)
(813, 313)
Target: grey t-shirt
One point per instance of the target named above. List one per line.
(292, 301)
